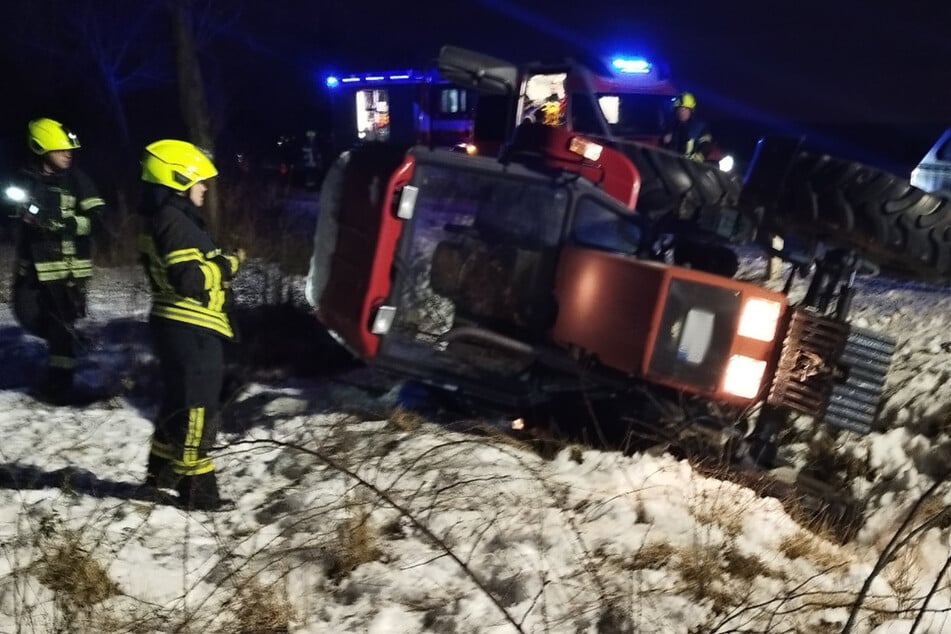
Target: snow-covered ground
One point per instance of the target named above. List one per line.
(353, 517)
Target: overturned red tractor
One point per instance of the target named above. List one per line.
(525, 280)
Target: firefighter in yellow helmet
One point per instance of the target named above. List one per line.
(687, 134)
(190, 279)
(57, 205)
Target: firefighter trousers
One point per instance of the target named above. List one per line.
(191, 362)
(49, 310)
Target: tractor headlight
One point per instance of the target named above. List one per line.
(743, 376)
(759, 319)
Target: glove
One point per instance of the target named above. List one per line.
(229, 262)
(47, 222)
(67, 226)
(43, 221)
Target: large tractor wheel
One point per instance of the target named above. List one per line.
(674, 186)
(904, 230)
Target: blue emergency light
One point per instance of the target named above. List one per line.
(390, 77)
(631, 65)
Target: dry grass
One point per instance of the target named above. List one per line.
(70, 571)
(902, 575)
(261, 609)
(806, 545)
(933, 510)
(78, 581)
(704, 577)
(405, 420)
(719, 511)
(358, 542)
(651, 557)
(745, 567)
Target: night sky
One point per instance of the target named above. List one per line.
(770, 64)
(835, 60)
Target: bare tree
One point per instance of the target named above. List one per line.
(117, 40)
(191, 94)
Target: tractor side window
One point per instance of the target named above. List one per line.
(598, 226)
(634, 114)
(543, 99)
(583, 117)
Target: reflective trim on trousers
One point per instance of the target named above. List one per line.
(186, 461)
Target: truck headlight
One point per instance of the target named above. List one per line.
(743, 376)
(759, 319)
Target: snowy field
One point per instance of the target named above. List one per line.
(353, 517)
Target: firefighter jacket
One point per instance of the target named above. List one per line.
(55, 239)
(190, 277)
(690, 138)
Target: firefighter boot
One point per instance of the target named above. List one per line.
(159, 474)
(200, 493)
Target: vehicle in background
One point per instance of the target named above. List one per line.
(626, 99)
(406, 107)
(933, 172)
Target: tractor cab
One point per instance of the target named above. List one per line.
(506, 277)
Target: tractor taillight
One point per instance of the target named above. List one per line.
(743, 376)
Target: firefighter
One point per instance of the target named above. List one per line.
(688, 135)
(190, 279)
(57, 204)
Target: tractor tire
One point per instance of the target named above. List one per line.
(900, 228)
(674, 187)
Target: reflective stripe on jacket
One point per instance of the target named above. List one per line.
(69, 202)
(189, 276)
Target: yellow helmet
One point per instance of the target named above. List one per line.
(176, 164)
(685, 100)
(47, 135)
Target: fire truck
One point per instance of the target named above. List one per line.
(621, 98)
(626, 98)
(406, 107)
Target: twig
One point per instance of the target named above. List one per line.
(403, 511)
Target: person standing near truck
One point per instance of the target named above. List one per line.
(190, 279)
